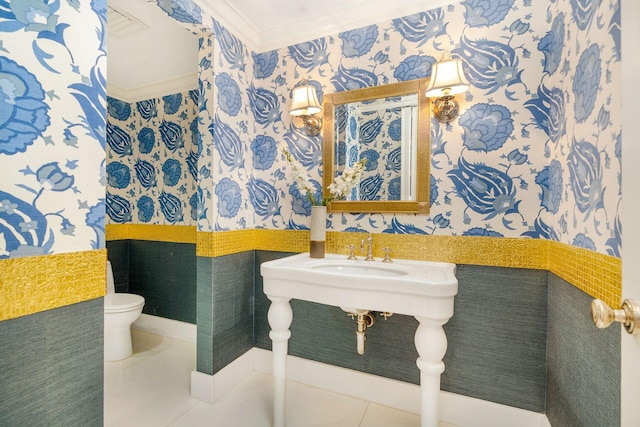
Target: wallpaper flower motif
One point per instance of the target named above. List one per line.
(151, 159)
(24, 111)
(52, 127)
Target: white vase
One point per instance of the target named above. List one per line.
(318, 231)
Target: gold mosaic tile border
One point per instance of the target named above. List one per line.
(158, 233)
(33, 284)
(503, 252)
(596, 274)
(214, 244)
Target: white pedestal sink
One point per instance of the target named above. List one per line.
(421, 289)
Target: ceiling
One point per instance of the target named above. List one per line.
(150, 54)
(271, 24)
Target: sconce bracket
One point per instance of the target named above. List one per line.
(445, 109)
(312, 124)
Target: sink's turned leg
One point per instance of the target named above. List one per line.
(431, 343)
(280, 317)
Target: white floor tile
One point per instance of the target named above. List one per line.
(247, 405)
(309, 406)
(152, 388)
(382, 416)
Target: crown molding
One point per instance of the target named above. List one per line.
(347, 18)
(167, 87)
(233, 20)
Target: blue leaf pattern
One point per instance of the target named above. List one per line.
(583, 12)
(394, 160)
(370, 187)
(227, 143)
(264, 198)
(147, 108)
(422, 26)
(548, 111)
(355, 78)
(550, 181)
(146, 173)
(311, 54)
(182, 10)
(484, 189)
(171, 207)
(232, 49)
(552, 45)
(482, 13)
(118, 208)
(171, 134)
(370, 130)
(307, 150)
(489, 64)
(396, 227)
(615, 31)
(119, 140)
(91, 98)
(265, 106)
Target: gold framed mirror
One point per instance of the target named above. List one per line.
(389, 126)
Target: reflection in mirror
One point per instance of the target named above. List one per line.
(382, 131)
(389, 127)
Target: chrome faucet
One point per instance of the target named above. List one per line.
(369, 247)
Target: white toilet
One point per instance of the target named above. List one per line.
(120, 311)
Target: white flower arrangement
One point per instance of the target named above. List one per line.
(338, 189)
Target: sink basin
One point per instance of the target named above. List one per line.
(351, 268)
(403, 287)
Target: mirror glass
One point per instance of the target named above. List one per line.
(389, 127)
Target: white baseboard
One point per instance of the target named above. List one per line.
(454, 408)
(210, 388)
(166, 327)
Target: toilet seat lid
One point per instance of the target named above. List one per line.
(121, 301)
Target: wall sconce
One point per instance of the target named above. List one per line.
(304, 104)
(447, 80)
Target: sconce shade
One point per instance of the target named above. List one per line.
(304, 102)
(447, 78)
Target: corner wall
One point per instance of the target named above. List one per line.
(52, 239)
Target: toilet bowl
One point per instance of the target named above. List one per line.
(120, 311)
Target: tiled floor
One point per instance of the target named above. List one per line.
(152, 389)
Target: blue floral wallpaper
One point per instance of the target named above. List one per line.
(52, 126)
(374, 131)
(152, 160)
(534, 153)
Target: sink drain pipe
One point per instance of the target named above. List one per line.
(365, 320)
